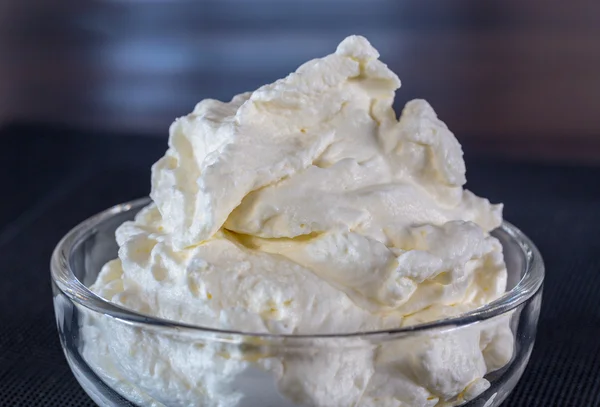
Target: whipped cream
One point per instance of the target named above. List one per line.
(306, 207)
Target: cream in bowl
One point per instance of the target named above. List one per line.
(302, 247)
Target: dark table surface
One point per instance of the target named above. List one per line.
(51, 178)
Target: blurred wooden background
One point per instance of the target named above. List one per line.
(509, 77)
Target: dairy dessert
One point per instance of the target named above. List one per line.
(306, 207)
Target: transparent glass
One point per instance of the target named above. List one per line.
(229, 368)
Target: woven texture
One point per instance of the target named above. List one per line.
(64, 177)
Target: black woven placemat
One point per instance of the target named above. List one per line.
(51, 179)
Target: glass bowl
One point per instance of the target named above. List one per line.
(124, 358)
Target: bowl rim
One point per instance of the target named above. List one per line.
(67, 283)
